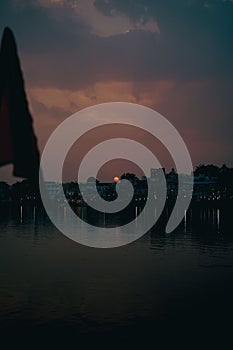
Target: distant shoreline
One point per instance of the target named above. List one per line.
(216, 203)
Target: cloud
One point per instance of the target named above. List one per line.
(185, 104)
(59, 48)
(100, 24)
(70, 101)
(173, 56)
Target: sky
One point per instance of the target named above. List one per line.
(172, 56)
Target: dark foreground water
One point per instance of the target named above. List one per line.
(170, 288)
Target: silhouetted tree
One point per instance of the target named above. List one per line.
(131, 177)
(209, 170)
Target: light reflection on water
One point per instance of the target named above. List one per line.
(48, 280)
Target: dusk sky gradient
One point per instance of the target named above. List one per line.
(173, 56)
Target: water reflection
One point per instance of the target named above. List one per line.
(154, 284)
(197, 221)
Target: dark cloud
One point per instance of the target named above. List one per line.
(195, 42)
(41, 30)
(195, 36)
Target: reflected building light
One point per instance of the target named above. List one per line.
(21, 214)
(64, 213)
(34, 214)
(185, 221)
(136, 215)
(218, 219)
(213, 216)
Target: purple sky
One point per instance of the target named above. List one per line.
(173, 56)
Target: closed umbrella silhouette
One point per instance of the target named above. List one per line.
(18, 143)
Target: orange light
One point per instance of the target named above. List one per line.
(116, 179)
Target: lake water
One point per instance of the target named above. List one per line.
(167, 287)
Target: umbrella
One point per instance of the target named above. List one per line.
(18, 143)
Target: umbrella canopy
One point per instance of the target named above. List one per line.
(18, 143)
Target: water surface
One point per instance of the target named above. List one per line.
(161, 286)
